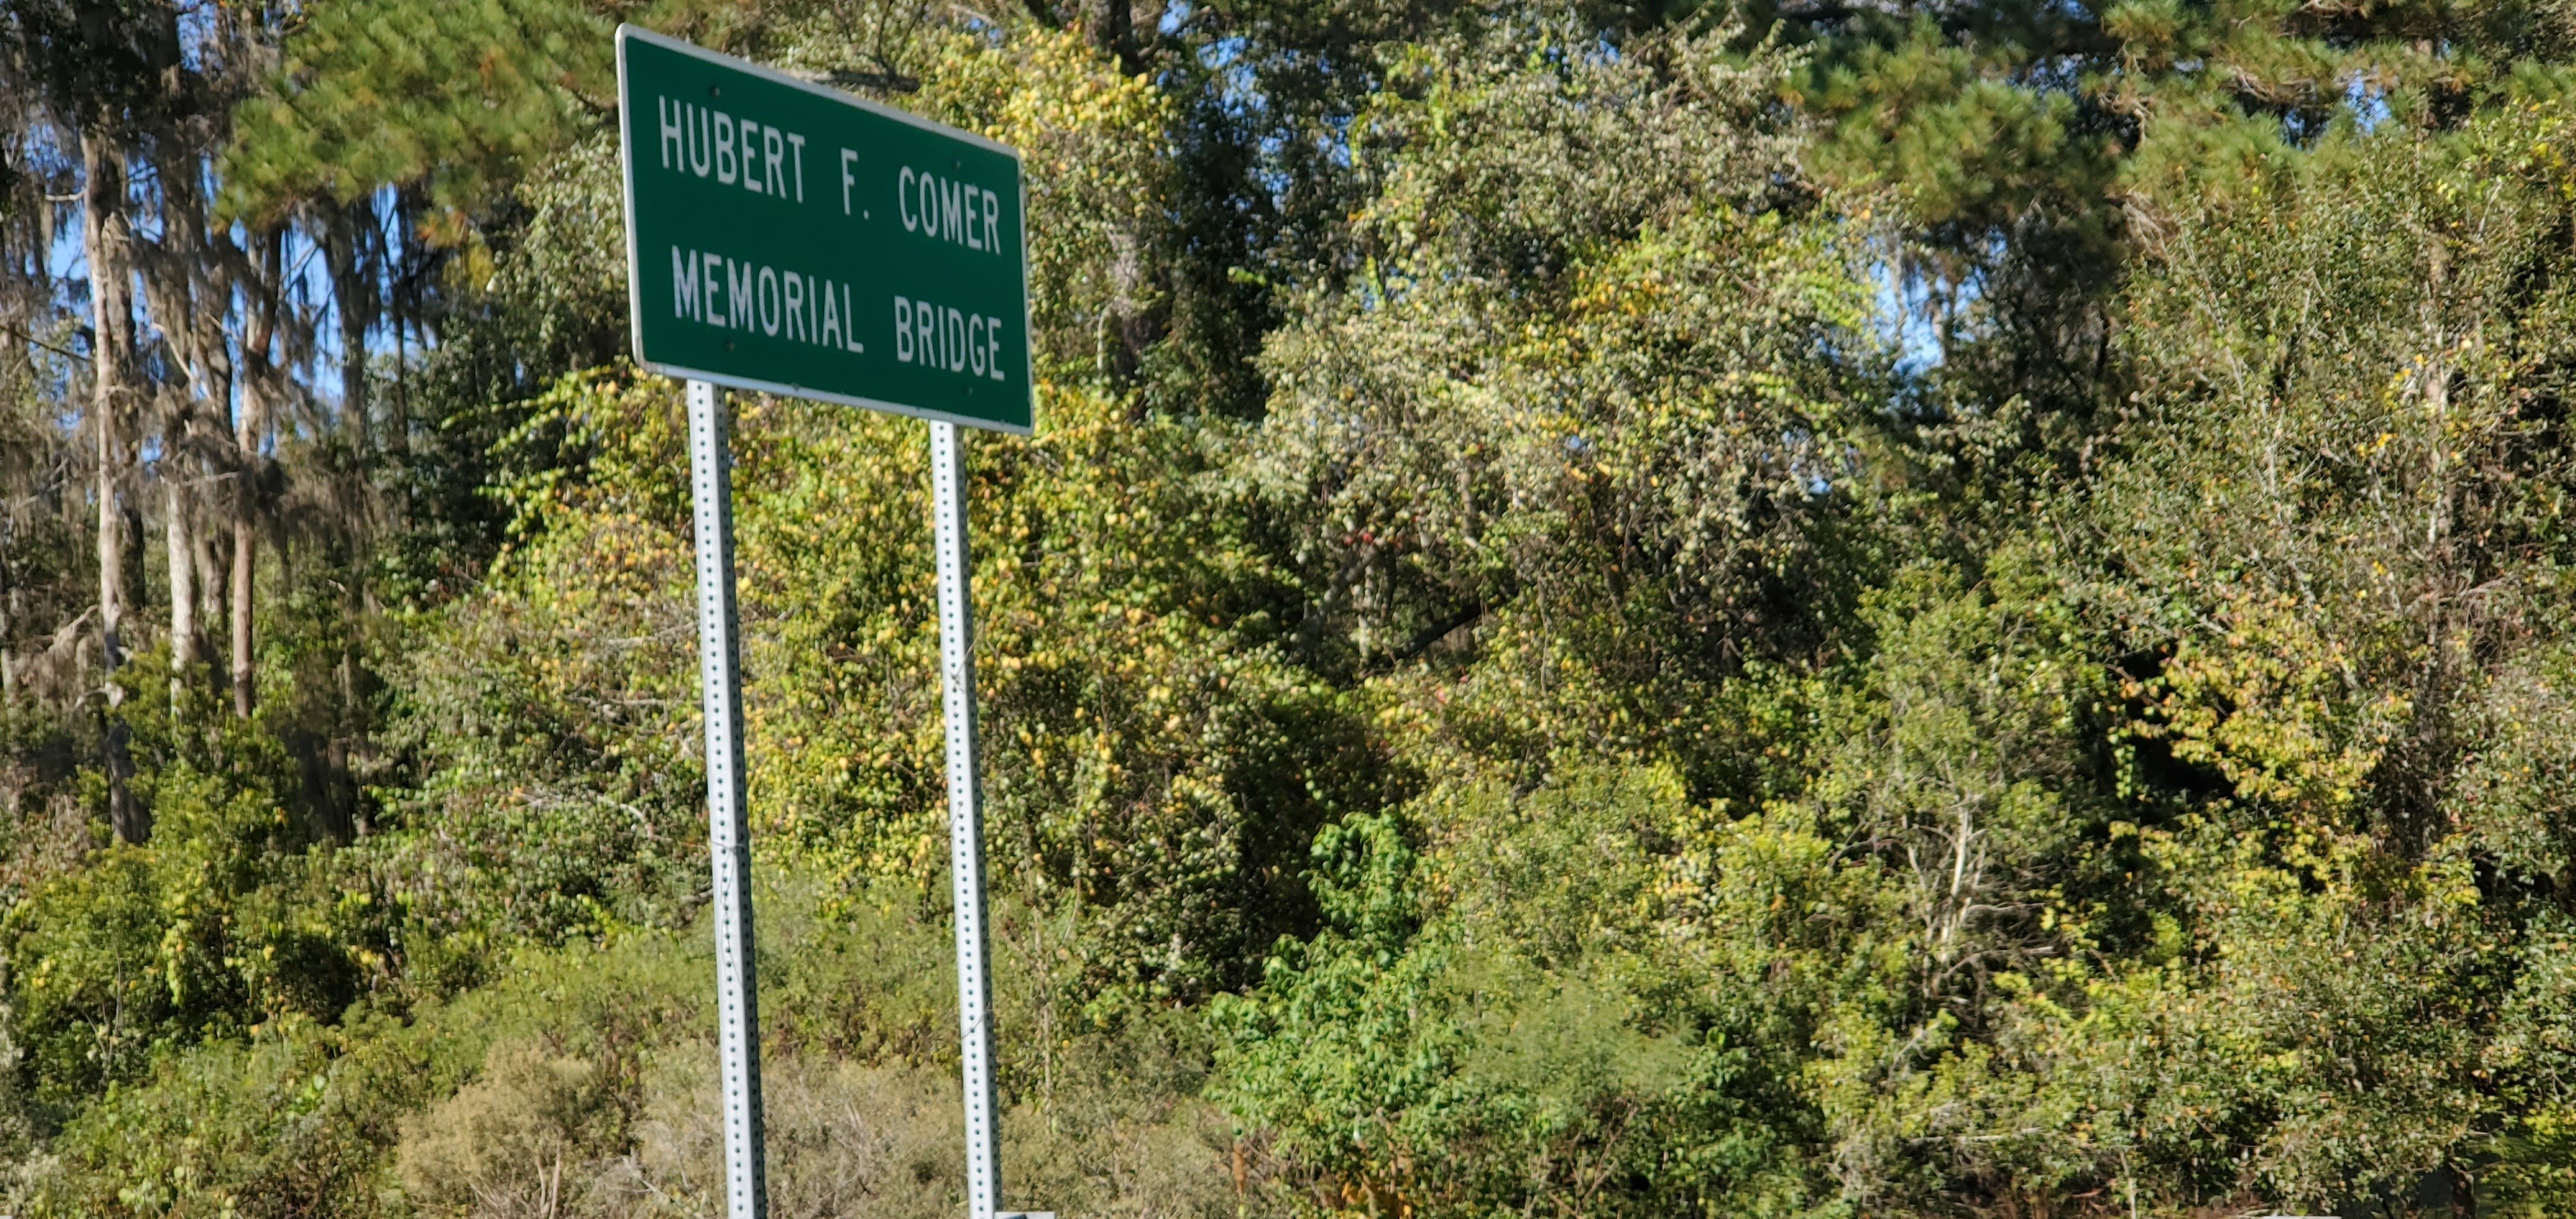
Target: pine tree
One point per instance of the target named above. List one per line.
(2034, 147)
(455, 98)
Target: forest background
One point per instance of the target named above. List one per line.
(1617, 608)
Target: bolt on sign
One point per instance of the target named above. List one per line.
(788, 237)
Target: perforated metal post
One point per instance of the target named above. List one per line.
(965, 817)
(728, 835)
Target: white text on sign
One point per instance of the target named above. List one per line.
(703, 142)
(942, 337)
(721, 291)
(946, 209)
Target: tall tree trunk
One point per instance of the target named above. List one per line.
(8, 657)
(398, 427)
(186, 288)
(103, 242)
(183, 592)
(212, 577)
(261, 300)
(245, 674)
(353, 291)
(1111, 25)
(401, 264)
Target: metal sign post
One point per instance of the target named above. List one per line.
(965, 815)
(786, 237)
(728, 834)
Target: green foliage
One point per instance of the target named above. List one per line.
(2302, 509)
(1570, 422)
(1136, 736)
(219, 925)
(550, 711)
(458, 98)
(1516, 675)
(581, 1078)
(1521, 1017)
(1152, 750)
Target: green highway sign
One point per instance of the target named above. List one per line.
(788, 237)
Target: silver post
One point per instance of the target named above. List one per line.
(965, 818)
(728, 835)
